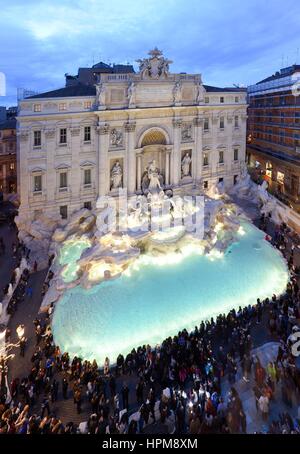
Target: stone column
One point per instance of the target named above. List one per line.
(197, 156)
(167, 167)
(103, 170)
(130, 178)
(176, 161)
(229, 158)
(139, 172)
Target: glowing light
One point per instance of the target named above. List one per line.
(20, 331)
(218, 227)
(241, 231)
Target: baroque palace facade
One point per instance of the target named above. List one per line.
(84, 141)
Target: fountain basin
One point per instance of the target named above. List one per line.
(151, 302)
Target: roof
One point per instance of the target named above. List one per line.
(8, 124)
(225, 89)
(67, 92)
(283, 73)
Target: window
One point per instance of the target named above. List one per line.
(87, 205)
(280, 177)
(222, 99)
(87, 104)
(297, 117)
(62, 106)
(206, 124)
(12, 166)
(37, 138)
(205, 159)
(63, 135)
(236, 99)
(87, 177)
(205, 184)
(269, 169)
(221, 157)
(87, 134)
(236, 154)
(222, 123)
(221, 180)
(206, 100)
(37, 183)
(37, 108)
(63, 180)
(236, 121)
(63, 210)
(235, 179)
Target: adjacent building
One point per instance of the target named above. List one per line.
(90, 138)
(273, 136)
(8, 147)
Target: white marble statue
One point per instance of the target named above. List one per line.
(177, 92)
(153, 175)
(131, 94)
(116, 176)
(101, 94)
(185, 165)
(199, 93)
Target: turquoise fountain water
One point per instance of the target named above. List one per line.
(69, 254)
(153, 302)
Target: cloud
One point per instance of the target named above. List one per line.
(228, 42)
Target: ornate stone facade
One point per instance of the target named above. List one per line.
(125, 125)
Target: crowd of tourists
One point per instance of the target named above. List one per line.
(188, 384)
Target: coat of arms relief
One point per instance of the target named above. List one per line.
(155, 67)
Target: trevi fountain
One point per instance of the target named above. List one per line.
(137, 271)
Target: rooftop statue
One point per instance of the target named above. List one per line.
(155, 67)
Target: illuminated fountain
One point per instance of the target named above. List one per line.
(138, 286)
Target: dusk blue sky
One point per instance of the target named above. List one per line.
(227, 41)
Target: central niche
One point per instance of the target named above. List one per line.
(154, 156)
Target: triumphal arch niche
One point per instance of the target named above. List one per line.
(153, 160)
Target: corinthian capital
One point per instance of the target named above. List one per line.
(130, 126)
(177, 122)
(103, 129)
(198, 121)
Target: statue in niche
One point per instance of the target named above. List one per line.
(186, 132)
(177, 92)
(116, 138)
(186, 165)
(153, 175)
(152, 180)
(131, 95)
(116, 176)
(101, 94)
